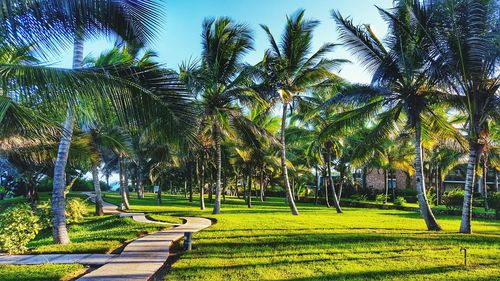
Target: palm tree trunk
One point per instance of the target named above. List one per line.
(496, 181)
(202, 185)
(190, 181)
(341, 181)
(284, 168)
(438, 185)
(330, 179)
(425, 209)
(485, 185)
(325, 186)
(262, 185)
(364, 182)
(386, 186)
(470, 179)
(97, 188)
(249, 197)
(123, 185)
(317, 187)
(59, 230)
(219, 169)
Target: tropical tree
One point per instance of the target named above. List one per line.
(219, 81)
(289, 69)
(463, 53)
(399, 85)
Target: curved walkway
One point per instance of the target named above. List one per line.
(139, 260)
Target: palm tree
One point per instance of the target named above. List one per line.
(220, 80)
(290, 69)
(399, 85)
(462, 52)
(133, 22)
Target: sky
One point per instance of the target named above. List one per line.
(180, 39)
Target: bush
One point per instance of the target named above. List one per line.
(75, 209)
(400, 201)
(18, 226)
(381, 198)
(369, 192)
(494, 203)
(431, 196)
(83, 185)
(359, 197)
(45, 185)
(407, 192)
(43, 211)
(454, 199)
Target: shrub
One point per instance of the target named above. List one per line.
(494, 203)
(407, 192)
(18, 226)
(381, 198)
(431, 196)
(359, 197)
(400, 201)
(83, 185)
(454, 199)
(75, 209)
(369, 192)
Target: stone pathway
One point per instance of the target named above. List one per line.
(139, 260)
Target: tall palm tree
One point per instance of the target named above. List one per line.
(220, 80)
(463, 52)
(289, 69)
(399, 85)
(131, 21)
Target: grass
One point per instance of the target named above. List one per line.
(48, 272)
(267, 243)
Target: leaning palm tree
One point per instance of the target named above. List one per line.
(220, 80)
(290, 69)
(399, 85)
(463, 53)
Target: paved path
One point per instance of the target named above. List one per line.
(142, 258)
(139, 260)
(87, 259)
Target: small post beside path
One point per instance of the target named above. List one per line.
(188, 241)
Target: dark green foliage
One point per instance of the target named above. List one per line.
(454, 199)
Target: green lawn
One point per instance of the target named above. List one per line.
(267, 243)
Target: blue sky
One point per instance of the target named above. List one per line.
(180, 37)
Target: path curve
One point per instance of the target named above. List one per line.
(143, 257)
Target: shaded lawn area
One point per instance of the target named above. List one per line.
(267, 243)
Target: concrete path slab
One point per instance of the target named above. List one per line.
(86, 259)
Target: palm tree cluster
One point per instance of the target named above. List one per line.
(222, 126)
